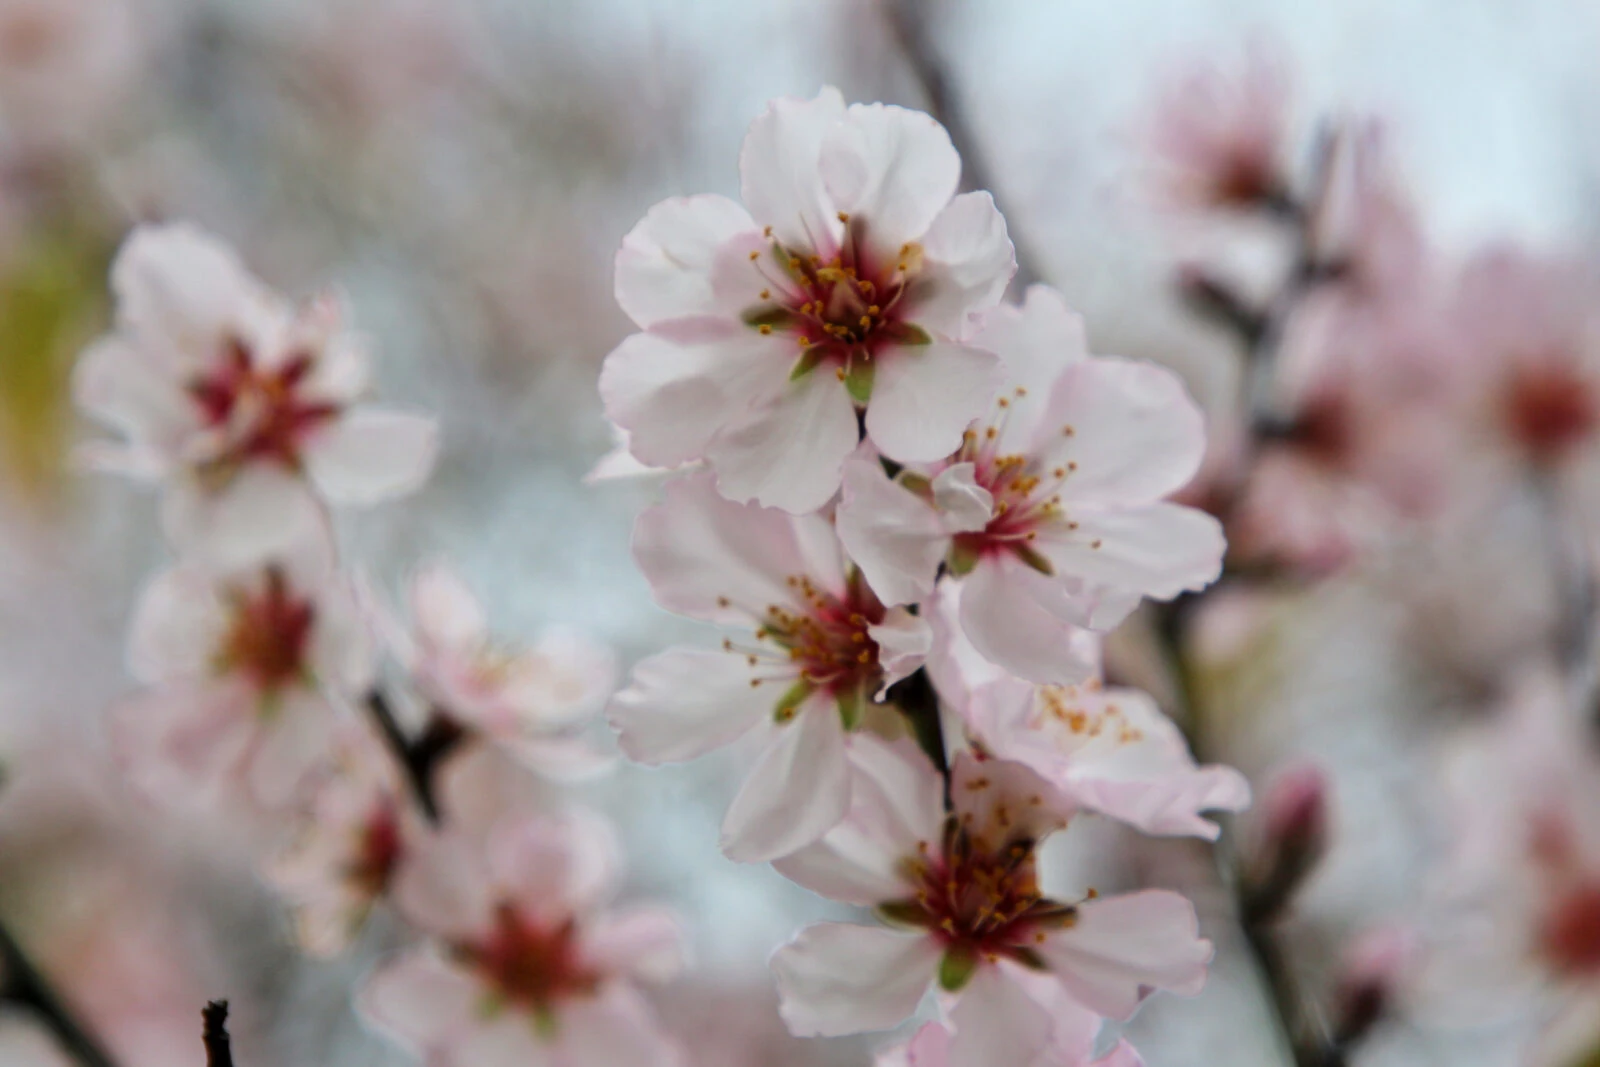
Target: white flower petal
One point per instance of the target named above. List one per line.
(712, 559)
(1136, 434)
(1121, 947)
(1159, 549)
(616, 1027)
(925, 396)
(445, 612)
(964, 505)
(420, 999)
(553, 865)
(295, 740)
(177, 626)
(259, 512)
(839, 978)
(673, 394)
(369, 455)
(892, 534)
(1036, 342)
(1024, 621)
(996, 1021)
(683, 703)
(118, 384)
(903, 641)
(967, 262)
(894, 168)
(779, 178)
(789, 455)
(798, 790)
(646, 943)
(664, 266)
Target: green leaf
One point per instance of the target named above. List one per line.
(957, 969)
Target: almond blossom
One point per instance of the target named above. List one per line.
(245, 407)
(934, 1045)
(846, 283)
(523, 967)
(532, 700)
(820, 645)
(246, 668)
(966, 914)
(344, 858)
(1051, 512)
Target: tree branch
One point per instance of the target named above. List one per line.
(418, 758)
(25, 984)
(219, 1047)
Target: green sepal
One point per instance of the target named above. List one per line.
(904, 333)
(851, 704)
(1029, 959)
(903, 913)
(790, 702)
(961, 558)
(912, 482)
(957, 969)
(768, 315)
(806, 363)
(1032, 557)
(858, 378)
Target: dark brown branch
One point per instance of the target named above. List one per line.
(26, 985)
(911, 24)
(418, 759)
(219, 1047)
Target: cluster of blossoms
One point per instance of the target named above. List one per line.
(913, 510)
(261, 657)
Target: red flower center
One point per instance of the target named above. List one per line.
(839, 308)
(530, 964)
(262, 412)
(1568, 936)
(267, 635)
(1549, 408)
(378, 850)
(979, 901)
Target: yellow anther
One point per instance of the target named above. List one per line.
(754, 256)
(765, 329)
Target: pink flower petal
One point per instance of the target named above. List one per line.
(683, 703)
(420, 999)
(789, 455)
(924, 397)
(967, 261)
(839, 978)
(664, 266)
(1120, 947)
(1158, 550)
(894, 168)
(779, 177)
(892, 534)
(370, 455)
(798, 790)
(1024, 621)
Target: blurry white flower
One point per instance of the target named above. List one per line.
(238, 402)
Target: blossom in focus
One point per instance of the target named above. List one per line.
(239, 402)
(1105, 749)
(348, 849)
(532, 700)
(935, 1046)
(523, 965)
(816, 645)
(1220, 137)
(1020, 974)
(246, 669)
(1051, 512)
(847, 282)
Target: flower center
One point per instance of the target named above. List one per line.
(260, 413)
(1324, 432)
(978, 901)
(1549, 408)
(267, 634)
(1568, 935)
(378, 849)
(840, 308)
(529, 964)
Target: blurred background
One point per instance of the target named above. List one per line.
(464, 170)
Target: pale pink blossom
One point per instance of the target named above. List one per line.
(1105, 749)
(1220, 137)
(533, 700)
(523, 966)
(348, 848)
(847, 282)
(246, 669)
(236, 400)
(966, 915)
(934, 1045)
(1051, 513)
(67, 66)
(818, 646)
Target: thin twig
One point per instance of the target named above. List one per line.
(909, 21)
(219, 1047)
(26, 985)
(418, 759)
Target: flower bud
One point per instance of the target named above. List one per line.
(1293, 841)
(1368, 977)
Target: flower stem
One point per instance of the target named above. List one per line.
(26, 985)
(418, 758)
